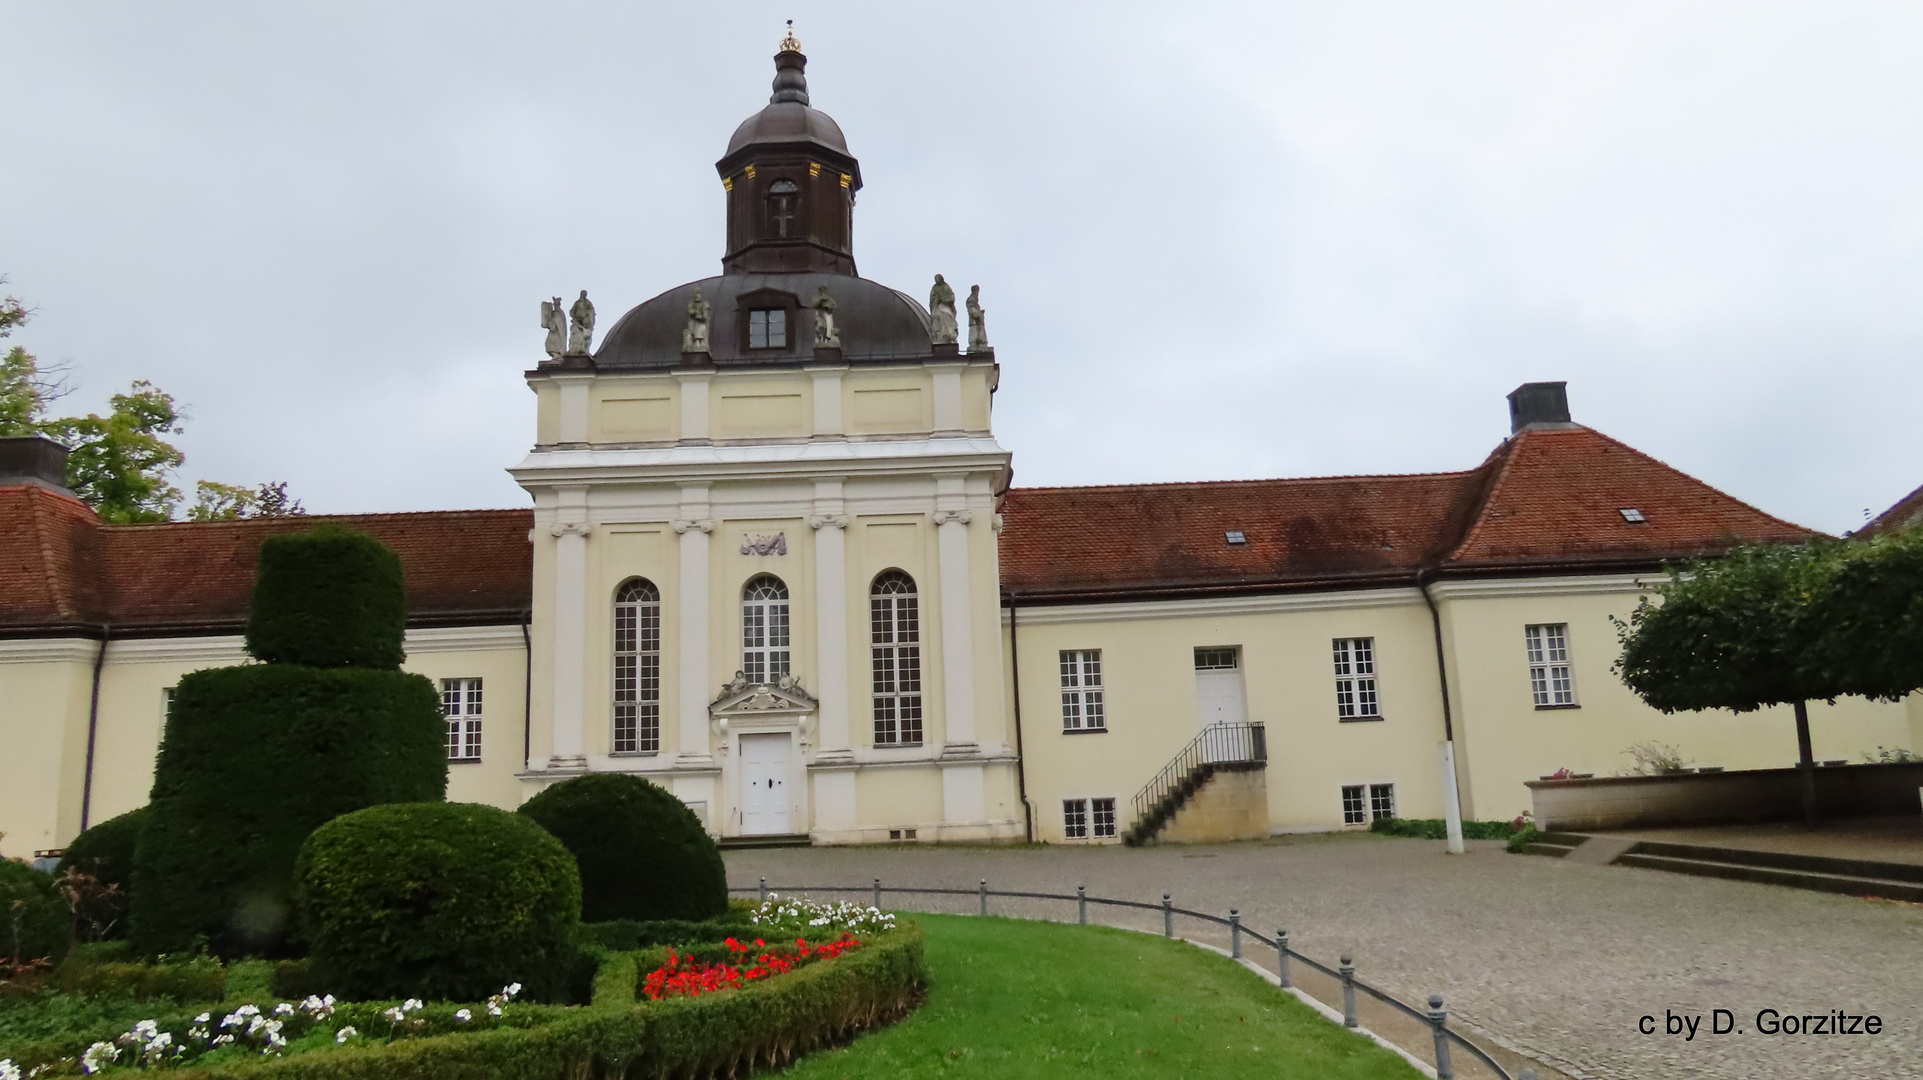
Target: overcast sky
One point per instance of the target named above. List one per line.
(1214, 241)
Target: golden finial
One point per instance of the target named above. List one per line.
(789, 44)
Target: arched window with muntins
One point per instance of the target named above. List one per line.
(637, 668)
(764, 629)
(782, 199)
(894, 625)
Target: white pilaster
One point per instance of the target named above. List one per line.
(957, 632)
(827, 395)
(694, 407)
(831, 620)
(948, 399)
(570, 532)
(694, 525)
(574, 408)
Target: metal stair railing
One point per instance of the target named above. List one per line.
(1222, 744)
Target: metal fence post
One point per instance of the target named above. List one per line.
(1081, 905)
(1282, 958)
(984, 895)
(764, 890)
(1168, 917)
(1348, 990)
(877, 894)
(1235, 933)
(1438, 1022)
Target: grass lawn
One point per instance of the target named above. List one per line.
(1011, 998)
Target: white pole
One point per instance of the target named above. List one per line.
(1451, 802)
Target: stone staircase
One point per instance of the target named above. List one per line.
(1220, 748)
(1850, 877)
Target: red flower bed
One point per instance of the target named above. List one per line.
(682, 977)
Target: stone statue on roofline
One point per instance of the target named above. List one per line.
(827, 334)
(554, 319)
(942, 329)
(581, 335)
(694, 339)
(977, 321)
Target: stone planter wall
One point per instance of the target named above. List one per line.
(1749, 796)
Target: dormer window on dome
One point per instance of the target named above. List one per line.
(768, 328)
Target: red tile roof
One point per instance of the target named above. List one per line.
(1547, 500)
(62, 569)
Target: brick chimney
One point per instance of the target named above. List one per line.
(1538, 403)
(34, 459)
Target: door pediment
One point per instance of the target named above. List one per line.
(782, 704)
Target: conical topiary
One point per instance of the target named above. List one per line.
(254, 758)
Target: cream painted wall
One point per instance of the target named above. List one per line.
(40, 805)
(1503, 740)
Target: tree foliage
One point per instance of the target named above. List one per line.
(1871, 612)
(227, 502)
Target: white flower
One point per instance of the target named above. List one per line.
(410, 1005)
(512, 989)
(346, 1033)
(8, 1070)
(285, 1008)
(493, 1007)
(394, 1015)
(97, 1057)
(203, 1018)
(462, 1015)
(222, 1040)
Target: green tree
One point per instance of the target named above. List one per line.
(227, 502)
(1871, 611)
(1739, 632)
(120, 465)
(25, 388)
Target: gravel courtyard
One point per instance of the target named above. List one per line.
(1555, 959)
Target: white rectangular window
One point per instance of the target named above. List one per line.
(1382, 802)
(1549, 680)
(1216, 657)
(1075, 819)
(1355, 807)
(461, 704)
(167, 703)
(1082, 705)
(1103, 813)
(1355, 696)
(768, 329)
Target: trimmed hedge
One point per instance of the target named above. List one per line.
(643, 854)
(765, 1024)
(40, 926)
(253, 760)
(445, 901)
(625, 935)
(1438, 829)
(106, 852)
(328, 598)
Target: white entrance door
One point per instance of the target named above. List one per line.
(1219, 696)
(764, 783)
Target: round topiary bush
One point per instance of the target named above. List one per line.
(106, 854)
(34, 921)
(437, 900)
(328, 598)
(642, 853)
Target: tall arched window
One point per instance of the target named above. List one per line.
(637, 668)
(782, 196)
(764, 629)
(894, 623)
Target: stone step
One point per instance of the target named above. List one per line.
(1847, 884)
(735, 843)
(1554, 851)
(1782, 860)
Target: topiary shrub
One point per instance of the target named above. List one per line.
(34, 919)
(329, 597)
(254, 759)
(643, 854)
(106, 854)
(440, 901)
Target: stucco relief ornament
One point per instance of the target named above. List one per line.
(581, 335)
(941, 314)
(555, 320)
(977, 321)
(764, 545)
(827, 334)
(694, 339)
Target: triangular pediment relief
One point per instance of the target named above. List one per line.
(743, 697)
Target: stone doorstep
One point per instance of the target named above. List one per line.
(1847, 885)
(1599, 850)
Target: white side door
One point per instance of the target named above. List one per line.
(1219, 694)
(764, 783)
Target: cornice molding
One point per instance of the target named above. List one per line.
(1277, 603)
(48, 651)
(579, 467)
(1588, 584)
(229, 649)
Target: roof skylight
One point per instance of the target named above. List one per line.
(1236, 537)
(1632, 515)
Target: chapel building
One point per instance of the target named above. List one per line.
(774, 564)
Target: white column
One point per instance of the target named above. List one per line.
(948, 399)
(827, 394)
(957, 633)
(570, 636)
(694, 407)
(694, 526)
(574, 408)
(831, 620)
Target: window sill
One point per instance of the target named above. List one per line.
(1085, 731)
(463, 761)
(898, 745)
(634, 753)
(1557, 708)
(1361, 719)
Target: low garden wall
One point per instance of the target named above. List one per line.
(1722, 798)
